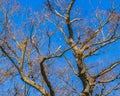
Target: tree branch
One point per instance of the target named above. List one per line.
(109, 80)
(107, 69)
(25, 78)
(42, 68)
(74, 71)
(112, 89)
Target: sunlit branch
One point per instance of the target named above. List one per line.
(110, 80)
(74, 71)
(53, 10)
(70, 7)
(62, 52)
(107, 69)
(58, 14)
(75, 19)
(24, 47)
(33, 84)
(62, 31)
(92, 51)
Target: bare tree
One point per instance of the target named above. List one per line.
(56, 51)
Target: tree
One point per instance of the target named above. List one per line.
(56, 51)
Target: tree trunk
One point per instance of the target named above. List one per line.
(87, 80)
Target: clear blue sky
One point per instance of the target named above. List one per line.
(88, 7)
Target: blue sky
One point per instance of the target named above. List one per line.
(88, 8)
